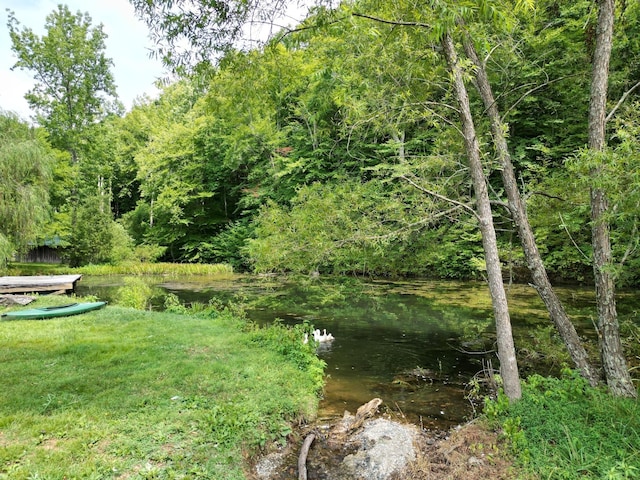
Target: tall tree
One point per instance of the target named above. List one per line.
(518, 212)
(74, 89)
(506, 348)
(73, 81)
(613, 360)
(25, 172)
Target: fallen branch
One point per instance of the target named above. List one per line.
(302, 459)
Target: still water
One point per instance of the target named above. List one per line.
(415, 344)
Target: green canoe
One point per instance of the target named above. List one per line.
(50, 312)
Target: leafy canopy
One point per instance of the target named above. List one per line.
(73, 81)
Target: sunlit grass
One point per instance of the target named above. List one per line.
(563, 428)
(125, 268)
(121, 393)
(139, 268)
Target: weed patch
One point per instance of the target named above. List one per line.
(562, 428)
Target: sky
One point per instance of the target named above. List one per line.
(127, 45)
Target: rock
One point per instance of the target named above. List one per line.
(15, 300)
(269, 465)
(386, 448)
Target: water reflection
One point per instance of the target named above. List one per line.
(383, 331)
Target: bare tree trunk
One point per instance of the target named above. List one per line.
(518, 212)
(613, 361)
(506, 348)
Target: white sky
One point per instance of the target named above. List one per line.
(127, 45)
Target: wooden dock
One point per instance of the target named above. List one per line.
(39, 283)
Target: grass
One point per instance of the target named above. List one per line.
(125, 268)
(564, 429)
(125, 394)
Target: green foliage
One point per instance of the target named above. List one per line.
(148, 253)
(72, 74)
(136, 293)
(122, 249)
(559, 215)
(618, 176)
(141, 268)
(351, 103)
(26, 163)
(91, 239)
(360, 228)
(226, 247)
(72, 96)
(194, 39)
(287, 341)
(562, 428)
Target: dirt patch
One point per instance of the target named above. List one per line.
(3, 440)
(469, 452)
(50, 444)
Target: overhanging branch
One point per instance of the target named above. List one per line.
(621, 101)
(437, 195)
(395, 233)
(392, 22)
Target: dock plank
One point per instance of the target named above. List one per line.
(38, 283)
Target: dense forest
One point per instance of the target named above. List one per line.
(336, 147)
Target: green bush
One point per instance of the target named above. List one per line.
(148, 253)
(562, 428)
(136, 293)
(121, 244)
(92, 234)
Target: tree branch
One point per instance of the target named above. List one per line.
(632, 246)
(548, 195)
(529, 92)
(621, 101)
(395, 233)
(290, 31)
(392, 22)
(302, 459)
(437, 195)
(564, 225)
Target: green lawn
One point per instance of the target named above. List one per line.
(122, 393)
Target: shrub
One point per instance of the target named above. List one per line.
(136, 293)
(563, 428)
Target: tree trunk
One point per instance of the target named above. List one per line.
(74, 200)
(506, 349)
(519, 214)
(613, 361)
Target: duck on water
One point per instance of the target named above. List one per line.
(319, 337)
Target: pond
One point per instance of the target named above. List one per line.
(415, 344)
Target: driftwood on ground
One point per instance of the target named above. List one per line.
(350, 423)
(302, 459)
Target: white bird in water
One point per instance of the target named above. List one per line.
(322, 337)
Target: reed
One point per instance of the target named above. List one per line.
(140, 268)
(125, 268)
